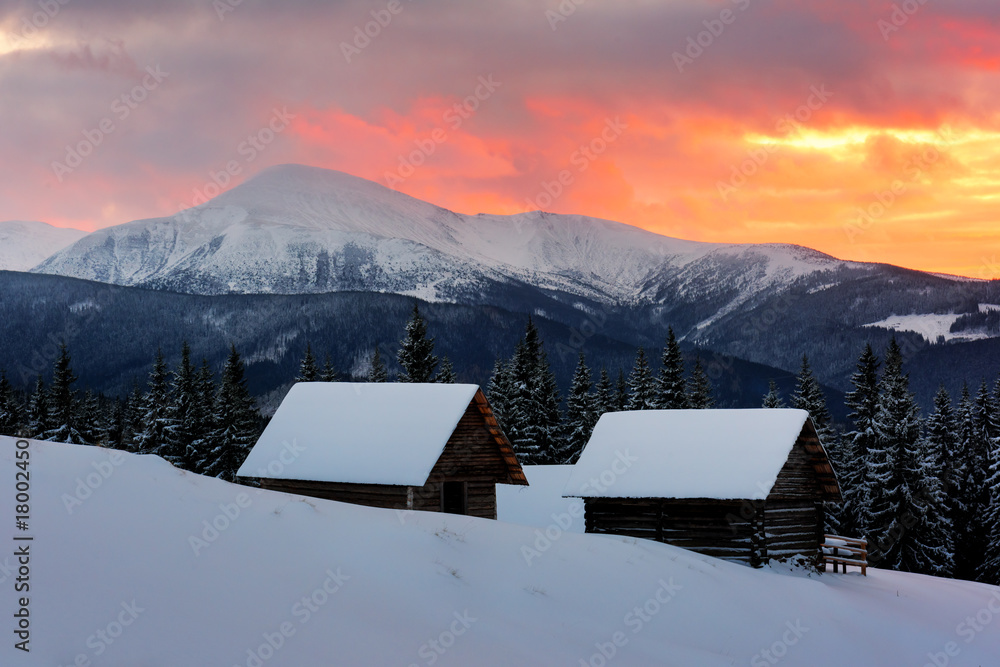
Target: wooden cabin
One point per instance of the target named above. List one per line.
(406, 446)
(742, 485)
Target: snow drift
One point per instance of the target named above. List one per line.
(134, 562)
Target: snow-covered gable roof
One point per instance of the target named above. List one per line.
(715, 454)
(360, 433)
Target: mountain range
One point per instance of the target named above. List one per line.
(23, 244)
(297, 230)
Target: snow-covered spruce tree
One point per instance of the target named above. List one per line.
(621, 393)
(377, 371)
(37, 418)
(642, 393)
(202, 418)
(809, 397)
(157, 422)
(905, 508)
(446, 374)
(581, 414)
(671, 387)
(131, 419)
(63, 407)
(235, 422)
(856, 446)
(772, 399)
(699, 395)
(604, 394)
(943, 444)
(308, 372)
(91, 420)
(989, 571)
(178, 445)
(498, 393)
(981, 443)
(10, 411)
(968, 543)
(416, 351)
(533, 420)
(329, 373)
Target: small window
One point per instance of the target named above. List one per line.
(454, 497)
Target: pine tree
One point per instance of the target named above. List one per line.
(863, 400)
(202, 418)
(157, 421)
(968, 541)
(38, 411)
(132, 420)
(903, 499)
(699, 388)
(10, 412)
(581, 414)
(329, 374)
(498, 392)
(941, 443)
(180, 437)
(604, 396)
(90, 420)
(377, 372)
(416, 351)
(809, 397)
(671, 388)
(621, 393)
(446, 374)
(978, 455)
(989, 571)
(533, 420)
(235, 422)
(641, 386)
(772, 399)
(307, 367)
(63, 408)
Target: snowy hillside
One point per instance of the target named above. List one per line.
(25, 244)
(295, 229)
(136, 563)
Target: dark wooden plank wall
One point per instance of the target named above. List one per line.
(792, 527)
(797, 478)
(372, 495)
(714, 528)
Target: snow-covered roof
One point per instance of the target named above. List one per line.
(717, 454)
(360, 433)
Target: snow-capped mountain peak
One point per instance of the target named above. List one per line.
(23, 244)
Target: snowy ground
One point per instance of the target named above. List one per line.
(931, 325)
(136, 563)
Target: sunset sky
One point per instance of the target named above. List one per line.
(868, 130)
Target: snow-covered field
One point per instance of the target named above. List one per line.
(931, 325)
(136, 563)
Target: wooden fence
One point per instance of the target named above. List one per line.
(845, 551)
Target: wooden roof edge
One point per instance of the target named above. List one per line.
(515, 473)
(820, 460)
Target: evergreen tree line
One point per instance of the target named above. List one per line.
(924, 492)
